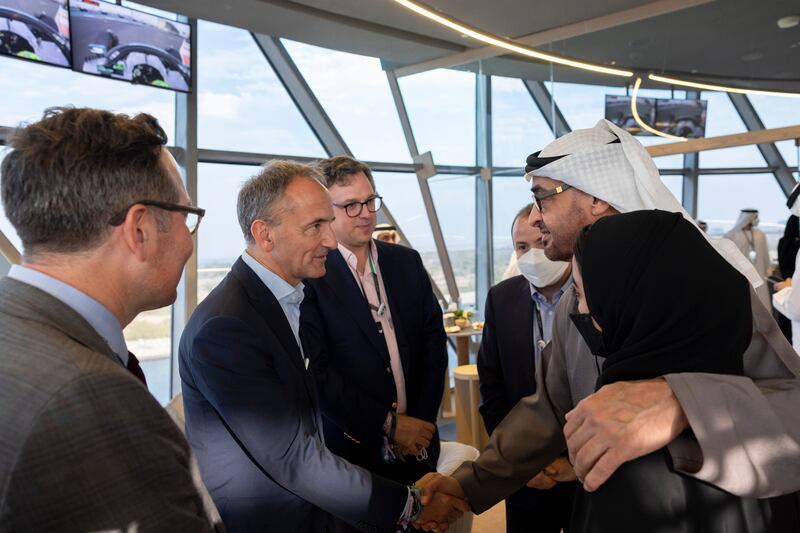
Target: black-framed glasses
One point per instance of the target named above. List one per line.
(353, 209)
(193, 214)
(538, 196)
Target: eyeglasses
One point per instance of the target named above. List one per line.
(193, 214)
(353, 209)
(538, 196)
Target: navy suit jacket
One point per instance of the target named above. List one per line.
(352, 364)
(252, 419)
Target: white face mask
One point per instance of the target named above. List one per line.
(539, 270)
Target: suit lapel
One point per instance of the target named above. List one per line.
(340, 279)
(28, 302)
(268, 307)
(521, 307)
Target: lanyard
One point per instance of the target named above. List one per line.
(381, 307)
(541, 343)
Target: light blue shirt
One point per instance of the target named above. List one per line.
(288, 297)
(96, 314)
(546, 311)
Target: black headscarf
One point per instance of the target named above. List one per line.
(666, 300)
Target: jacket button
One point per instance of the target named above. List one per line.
(388, 370)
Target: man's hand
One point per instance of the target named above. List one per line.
(782, 284)
(621, 422)
(443, 498)
(559, 471)
(413, 434)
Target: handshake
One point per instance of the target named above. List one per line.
(443, 502)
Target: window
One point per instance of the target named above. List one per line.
(242, 104)
(518, 128)
(355, 94)
(149, 337)
(777, 112)
(722, 119)
(454, 198)
(403, 198)
(219, 240)
(441, 108)
(721, 197)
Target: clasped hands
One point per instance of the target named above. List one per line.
(443, 502)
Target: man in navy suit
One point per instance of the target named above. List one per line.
(519, 318)
(383, 355)
(250, 401)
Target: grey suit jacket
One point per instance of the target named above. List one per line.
(745, 434)
(83, 445)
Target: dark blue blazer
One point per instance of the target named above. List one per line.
(252, 419)
(507, 371)
(352, 364)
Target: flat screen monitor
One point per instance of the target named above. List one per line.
(618, 111)
(37, 30)
(126, 44)
(684, 118)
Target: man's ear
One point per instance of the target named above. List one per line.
(263, 234)
(601, 207)
(138, 230)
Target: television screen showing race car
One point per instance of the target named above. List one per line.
(683, 118)
(37, 30)
(125, 44)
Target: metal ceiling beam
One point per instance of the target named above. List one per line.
(576, 29)
(549, 109)
(783, 175)
(299, 91)
(428, 170)
(725, 141)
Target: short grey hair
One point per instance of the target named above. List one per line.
(70, 174)
(260, 194)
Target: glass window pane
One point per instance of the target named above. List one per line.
(583, 105)
(149, 337)
(243, 105)
(219, 238)
(723, 120)
(441, 107)
(721, 197)
(454, 198)
(675, 186)
(37, 87)
(5, 225)
(355, 94)
(401, 193)
(776, 112)
(518, 128)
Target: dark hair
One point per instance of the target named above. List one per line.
(260, 194)
(339, 170)
(524, 212)
(580, 245)
(71, 172)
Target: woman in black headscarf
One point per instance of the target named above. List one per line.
(655, 298)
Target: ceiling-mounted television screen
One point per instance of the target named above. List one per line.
(126, 44)
(37, 30)
(683, 118)
(618, 111)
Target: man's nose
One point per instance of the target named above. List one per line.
(329, 238)
(535, 218)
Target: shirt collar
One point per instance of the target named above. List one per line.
(350, 257)
(279, 287)
(539, 297)
(96, 314)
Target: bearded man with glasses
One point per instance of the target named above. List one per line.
(380, 344)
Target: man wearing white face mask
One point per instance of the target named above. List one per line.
(786, 300)
(519, 316)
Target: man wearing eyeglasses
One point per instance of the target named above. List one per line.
(380, 347)
(106, 227)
